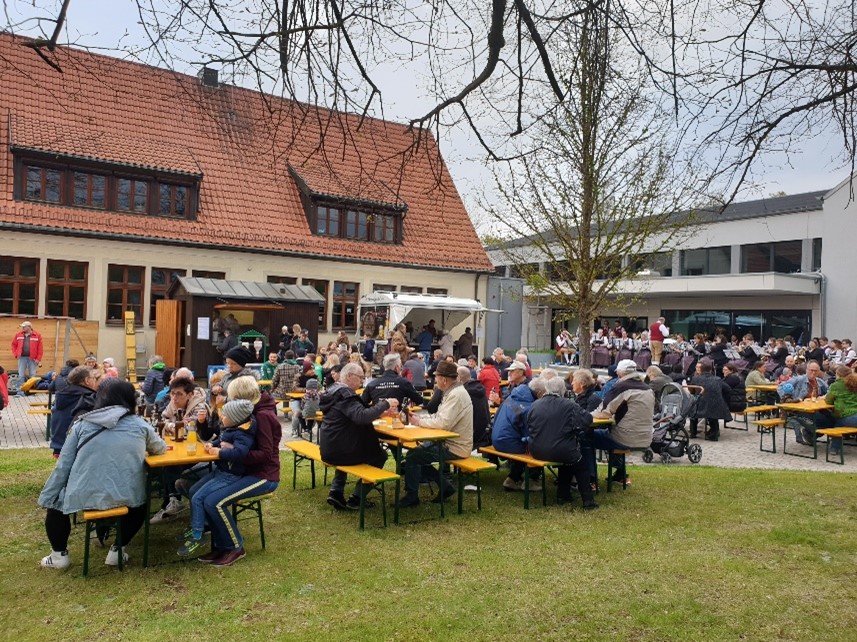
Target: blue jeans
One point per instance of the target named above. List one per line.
(210, 483)
(218, 514)
(26, 369)
(417, 465)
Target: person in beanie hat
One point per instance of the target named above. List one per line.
(236, 366)
(309, 407)
(239, 431)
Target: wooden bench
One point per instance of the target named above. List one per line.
(471, 466)
(376, 478)
(305, 451)
(253, 505)
(110, 517)
(531, 462)
(831, 434)
(768, 427)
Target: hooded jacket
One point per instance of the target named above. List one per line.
(510, 432)
(70, 402)
(154, 382)
(263, 460)
(196, 401)
(102, 464)
(347, 436)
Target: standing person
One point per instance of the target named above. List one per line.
(27, 348)
(154, 381)
(555, 426)
(285, 376)
(658, 331)
(83, 481)
(465, 344)
(110, 369)
(228, 342)
(302, 346)
(347, 436)
(424, 342)
(456, 415)
(77, 398)
(261, 475)
(446, 344)
(399, 343)
(713, 404)
(269, 367)
(415, 371)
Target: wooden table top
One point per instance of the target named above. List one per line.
(807, 405)
(764, 387)
(412, 433)
(179, 456)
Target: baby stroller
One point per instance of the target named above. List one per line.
(670, 438)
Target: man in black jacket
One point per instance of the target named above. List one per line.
(391, 384)
(347, 436)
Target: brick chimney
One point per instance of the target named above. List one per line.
(208, 77)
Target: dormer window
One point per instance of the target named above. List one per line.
(105, 187)
(357, 223)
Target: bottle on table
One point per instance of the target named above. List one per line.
(180, 426)
(191, 437)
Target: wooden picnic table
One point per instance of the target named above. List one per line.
(176, 455)
(807, 407)
(409, 434)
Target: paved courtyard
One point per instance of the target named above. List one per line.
(736, 449)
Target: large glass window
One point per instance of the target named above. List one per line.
(162, 279)
(132, 195)
(90, 190)
(124, 293)
(66, 289)
(321, 288)
(345, 294)
(19, 285)
(711, 260)
(762, 324)
(656, 263)
(816, 255)
(784, 256)
(43, 184)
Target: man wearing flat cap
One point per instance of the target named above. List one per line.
(454, 414)
(27, 349)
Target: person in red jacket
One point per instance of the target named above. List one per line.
(27, 349)
(489, 376)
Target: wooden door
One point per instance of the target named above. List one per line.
(168, 326)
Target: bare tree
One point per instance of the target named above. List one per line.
(601, 192)
(756, 76)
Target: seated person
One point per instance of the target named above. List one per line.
(455, 414)
(510, 434)
(81, 481)
(584, 390)
(391, 384)
(239, 432)
(555, 424)
(347, 436)
(807, 386)
(657, 380)
(737, 394)
(842, 395)
(631, 404)
(309, 407)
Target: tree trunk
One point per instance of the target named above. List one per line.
(584, 336)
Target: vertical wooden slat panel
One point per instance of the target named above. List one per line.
(168, 325)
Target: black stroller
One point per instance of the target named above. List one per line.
(670, 438)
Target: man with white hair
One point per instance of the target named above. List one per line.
(631, 405)
(658, 331)
(347, 436)
(555, 426)
(391, 384)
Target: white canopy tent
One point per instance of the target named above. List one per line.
(419, 309)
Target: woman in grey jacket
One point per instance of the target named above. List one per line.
(101, 466)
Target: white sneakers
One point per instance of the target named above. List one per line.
(113, 557)
(57, 559)
(168, 514)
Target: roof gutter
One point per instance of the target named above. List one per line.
(110, 236)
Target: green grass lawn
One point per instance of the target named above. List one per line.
(686, 553)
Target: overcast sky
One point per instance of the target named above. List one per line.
(101, 23)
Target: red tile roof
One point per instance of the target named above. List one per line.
(246, 146)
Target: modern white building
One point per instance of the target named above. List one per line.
(772, 267)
